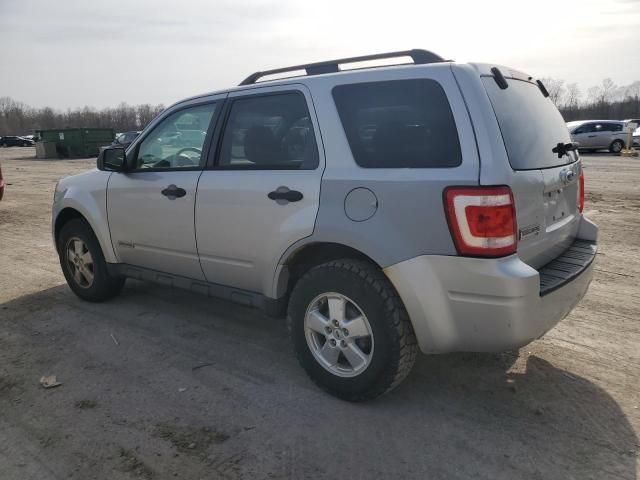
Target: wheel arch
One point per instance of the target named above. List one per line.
(617, 140)
(69, 213)
(297, 262)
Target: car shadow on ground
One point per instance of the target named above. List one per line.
(508, 415)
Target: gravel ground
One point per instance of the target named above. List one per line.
(162, 383)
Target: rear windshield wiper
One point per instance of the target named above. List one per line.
(498, 77)
(542, 88)
(564, 148)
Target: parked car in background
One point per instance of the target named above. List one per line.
(13, 141)
(401, 227)
(593, 135)
(125, 139)
(1, 183)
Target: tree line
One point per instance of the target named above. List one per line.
(606, 101)
(18, 118)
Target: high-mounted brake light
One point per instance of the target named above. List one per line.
(482, 220)
(581, 192)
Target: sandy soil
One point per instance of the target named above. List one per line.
(162, 383)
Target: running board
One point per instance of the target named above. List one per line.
(272, 307)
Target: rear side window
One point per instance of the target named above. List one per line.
(269, 132)
(399, 124)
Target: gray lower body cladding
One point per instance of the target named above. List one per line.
(474, 304)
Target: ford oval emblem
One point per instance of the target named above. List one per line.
(567, 176)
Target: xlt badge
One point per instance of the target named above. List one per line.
(528, 231)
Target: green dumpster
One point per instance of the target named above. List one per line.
(77, 142)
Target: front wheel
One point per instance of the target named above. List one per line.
(83, 263)
(350, 330)
(616, 146)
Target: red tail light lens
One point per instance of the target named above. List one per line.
(581, 192)
(482, 220)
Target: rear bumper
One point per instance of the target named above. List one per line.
(484, 305)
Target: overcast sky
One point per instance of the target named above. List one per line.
(70, 53)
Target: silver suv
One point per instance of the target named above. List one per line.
(384, 210)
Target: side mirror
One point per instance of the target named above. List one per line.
(112, 159)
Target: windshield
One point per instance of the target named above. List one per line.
(573, 125)
(530, 123)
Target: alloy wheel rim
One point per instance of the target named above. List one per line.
(80, 262)
(338, 334)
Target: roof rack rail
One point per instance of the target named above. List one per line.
(331, 66)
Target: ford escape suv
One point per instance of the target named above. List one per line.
(384, 210)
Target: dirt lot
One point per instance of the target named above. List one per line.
(162, 384)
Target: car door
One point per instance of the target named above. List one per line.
(262, 191)
(603, 135)
(616, 132)
(585, 135)
(151, 205)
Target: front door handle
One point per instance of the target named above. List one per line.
(173, 192)
(591, 136)
(283, 195)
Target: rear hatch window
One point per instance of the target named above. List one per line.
(530, 123)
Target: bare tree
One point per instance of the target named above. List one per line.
(555, 88)
(608, 91)
(572, 97)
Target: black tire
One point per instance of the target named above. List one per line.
(616, 146)
(4, 145)
(395, 347)
(103, 286)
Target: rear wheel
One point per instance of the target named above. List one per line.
(616, 146)
(83, 263)
(350, 330)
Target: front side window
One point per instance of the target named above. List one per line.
(399, 124)
(177, 141)
(269, 132)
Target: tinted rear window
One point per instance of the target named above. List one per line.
(530, 123)
(399, 124)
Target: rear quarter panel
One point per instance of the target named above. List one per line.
(410, 219)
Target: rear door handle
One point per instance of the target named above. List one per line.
(591, 136)
(173, 192)
(283, 195)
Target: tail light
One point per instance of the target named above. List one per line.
(482, 220)
(581, 192)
